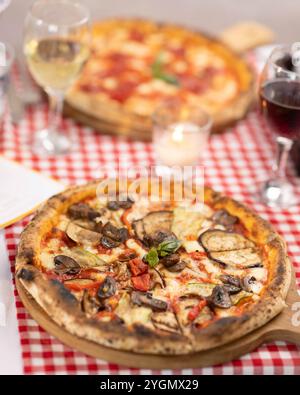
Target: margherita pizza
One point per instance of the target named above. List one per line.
(135, 64)
(153, 276)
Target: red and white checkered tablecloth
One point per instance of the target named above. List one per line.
(235, 162)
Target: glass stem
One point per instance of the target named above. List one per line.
(284, 146)
(55, 112)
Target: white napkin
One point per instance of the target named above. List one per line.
(22, 190)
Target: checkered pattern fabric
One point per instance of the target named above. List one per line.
(235, 163)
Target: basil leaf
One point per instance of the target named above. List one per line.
(152, 257)
(168, 247)
(168, 78)
(158, 72)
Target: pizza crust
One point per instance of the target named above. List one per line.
(65, 310)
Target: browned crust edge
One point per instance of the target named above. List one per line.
(116, 120)
(63, 308)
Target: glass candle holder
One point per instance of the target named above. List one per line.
(180, 135)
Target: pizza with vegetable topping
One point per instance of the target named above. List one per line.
(136, 64)
(150, 276)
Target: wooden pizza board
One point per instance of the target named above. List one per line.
(284, 327)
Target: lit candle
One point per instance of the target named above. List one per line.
(180, 144)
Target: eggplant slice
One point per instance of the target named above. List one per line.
(244, 258)
(152, 224)
(220, 240)
(222, 217)
(146, 299)
(158, 221)
(138, 228)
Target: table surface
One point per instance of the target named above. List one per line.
(235, 163)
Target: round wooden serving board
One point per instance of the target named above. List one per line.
(280, 328)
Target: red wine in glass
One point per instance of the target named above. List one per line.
(280, 104)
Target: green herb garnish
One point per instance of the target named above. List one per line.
(165, 248)
(152, 257)
(159, 73)
(168, 247)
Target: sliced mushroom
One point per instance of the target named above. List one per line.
(178, 267)
(250, 284)
(158, 221)
(89, 304)
(231, 280)
(107, 288)
(82, 211)
(165, 321)
(114, 233)
(123, 235)
(232, 284)
(219, 240)
(161, 236)
(66, 265)
(126, 204)
(81, 235)
(146, 299)
(220, 298)
(231, 289)
(222, 217)
(244, 258)
(109, 243)
(170, 260)
(113, 205)
(120, 203)
(127, 256)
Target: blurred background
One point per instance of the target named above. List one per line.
(209, 15)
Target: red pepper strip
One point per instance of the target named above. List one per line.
(197, 255)
(125, 220)
(137, 267)
(195, 311)
(78, 287)
(141, 283)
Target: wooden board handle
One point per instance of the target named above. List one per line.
(247, 35)
(286, 326)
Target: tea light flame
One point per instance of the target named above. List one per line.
(177, 134)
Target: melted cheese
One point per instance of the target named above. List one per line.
(135, 246)
(192, 246)
(47, 260)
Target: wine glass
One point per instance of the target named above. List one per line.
(56, 46)
(280, 105)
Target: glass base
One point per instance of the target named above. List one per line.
(277, 194)
(46, 143)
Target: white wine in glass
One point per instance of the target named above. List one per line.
(56, 47)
